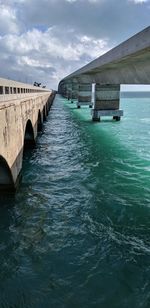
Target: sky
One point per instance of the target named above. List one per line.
(45, 40)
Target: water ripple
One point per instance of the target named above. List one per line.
(77, 232)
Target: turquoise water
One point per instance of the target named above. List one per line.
(77, 233)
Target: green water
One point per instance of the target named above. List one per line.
(77, 233)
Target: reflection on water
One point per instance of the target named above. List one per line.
(77, 233)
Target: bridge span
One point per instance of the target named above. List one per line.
(128, 63)
(23, 108)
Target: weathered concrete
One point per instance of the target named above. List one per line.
(12, 90)
(20, 120)
(128, 63)
(75, 89)
(68, 90)
(106, 102)
(107, 97)
(64, 90)
(97, 114)
(84, 95)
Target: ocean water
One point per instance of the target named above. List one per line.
(77, 233)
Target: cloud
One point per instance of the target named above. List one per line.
(90, 1)
(48, 44)
(46, 55)
(46, 40)
(139, 1)
(8, 20)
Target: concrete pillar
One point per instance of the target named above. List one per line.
(65, 91)
(68, 90)
(74, 92)
(107, 102)
(62, 89)
(84, 95)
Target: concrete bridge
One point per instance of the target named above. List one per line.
(23, 108)
(128, 63)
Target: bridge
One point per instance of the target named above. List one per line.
(97, 84)
(23, 109)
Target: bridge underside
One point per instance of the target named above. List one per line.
(130, 70)
(127, 63)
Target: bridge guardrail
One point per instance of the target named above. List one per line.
(11, 90)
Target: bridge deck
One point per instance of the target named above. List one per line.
(127, 63)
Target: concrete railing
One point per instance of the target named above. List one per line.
(11, 97)
(12, 90)
(21, 118)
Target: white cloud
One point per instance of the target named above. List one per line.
(94, 1)
(90, 1)
(71, 1)
(47, 43)
(139, 1)
(47, 54)
(46, 40)
(8, 20)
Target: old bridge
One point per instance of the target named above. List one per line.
(23, 108)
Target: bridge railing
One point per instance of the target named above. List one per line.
(11, 90)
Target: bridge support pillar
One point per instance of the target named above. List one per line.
(106, 102)
(74, 93)
(63, 90)
(69, 91)
(84, 95)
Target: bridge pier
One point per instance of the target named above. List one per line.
(6, 178)
(74, 93)
(84, 95)
(69, 91)
(106, 102)
(63, 90)
(29, 136)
